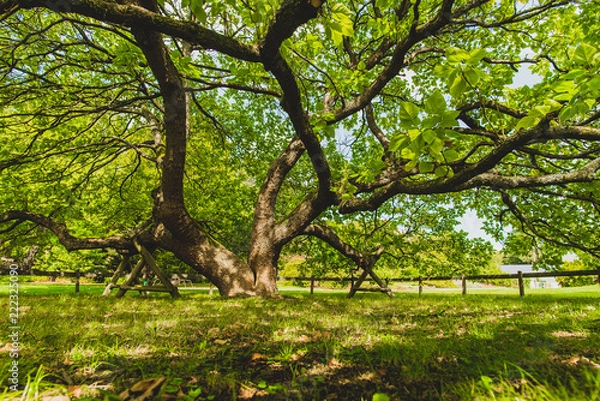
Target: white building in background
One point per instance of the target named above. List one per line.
(536, 282)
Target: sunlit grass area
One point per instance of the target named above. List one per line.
(487, 345)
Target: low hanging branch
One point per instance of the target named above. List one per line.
(326, 234)
(70, 242)
(529, 225)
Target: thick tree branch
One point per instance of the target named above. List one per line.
(587, 173)
(533, 229)
(573, 132)
(291, 15)
(61, 231)
(477, 174)
(267, 198)
(175, 110)
(383, 140)
(292, 104)
(443, 18)
(306, 212)
(463, 173)
(138, 17)
(329, 236)
(500, 108)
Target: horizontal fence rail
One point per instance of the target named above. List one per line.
(520, 276)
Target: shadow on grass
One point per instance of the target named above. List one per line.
(312, 348)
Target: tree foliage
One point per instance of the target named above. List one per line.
(223, 131)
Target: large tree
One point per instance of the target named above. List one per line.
(322, 109)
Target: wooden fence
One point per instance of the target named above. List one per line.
(520, 276)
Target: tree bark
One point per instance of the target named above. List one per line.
(29, 258)
(223, 268)
(177, 231)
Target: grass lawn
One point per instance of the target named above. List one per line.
(485, 346)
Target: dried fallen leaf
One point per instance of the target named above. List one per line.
(75, 391)
(589, 363)
(143, 390)
(6, 348)
(303, 339)
(213, 331)
(246, 393)
(56, 398)
(334, 363)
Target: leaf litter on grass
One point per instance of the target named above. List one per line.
(320, 347)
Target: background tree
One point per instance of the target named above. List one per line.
(582, 262)
(120, 107)
(416, 236)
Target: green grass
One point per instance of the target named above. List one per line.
(485, 346)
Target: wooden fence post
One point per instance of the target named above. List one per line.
(598, 277)
(312, 285)
(464, 284)
(420, 286)
(521, 285)
(77, 275)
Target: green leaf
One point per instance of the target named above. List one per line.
(409, 113)
(429, 136)
(456, 56)
(341, 24)
(567, 113)
(541, 110)
(448, 119)
(553, 105)
(380, 397)
(413, 134)
(437, 146)
(572, 110)
(527, 122)
(586, 54)
(593, 84)
(451, 155)
(472, 76)
(418, 144)
(197, 8)
(573, 74)
(425, 167)
(399, 142)
(458, 87)
(435, 104)
(443, 171)
(407, 153)
(566, 86)
(411, 164)
(476, 55)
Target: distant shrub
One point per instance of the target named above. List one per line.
(579, 281)
(440, 284)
